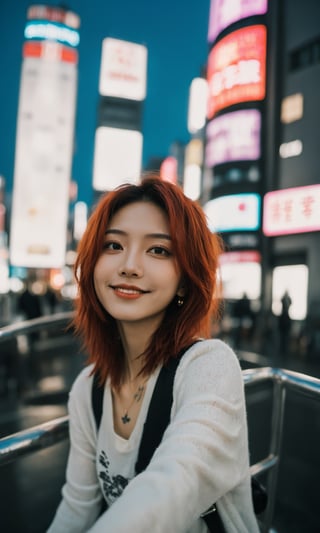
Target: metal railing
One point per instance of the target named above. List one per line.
(36, 324)
(44, 435)
(283, 381)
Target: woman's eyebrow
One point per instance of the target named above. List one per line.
(117, 231)
(159, 236)
(148, 235)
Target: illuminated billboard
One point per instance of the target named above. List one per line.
(252, 256)
(123, 69)
(53, 31)
(241, 273)
(292, 108)
(197, 108)
(226, 12)
(117, 157)
(237, 69)
(233, 137)
(235, 212)
(290, 211)
(294, 280)
(44, 139)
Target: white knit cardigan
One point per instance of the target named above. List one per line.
(203, 457)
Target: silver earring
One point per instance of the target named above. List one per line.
(180, 301)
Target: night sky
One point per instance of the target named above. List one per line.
(175, 33)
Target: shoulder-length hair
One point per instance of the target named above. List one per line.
(196, 251)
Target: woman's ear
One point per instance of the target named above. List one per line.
(181, 291)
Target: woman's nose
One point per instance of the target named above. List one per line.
(132, 265)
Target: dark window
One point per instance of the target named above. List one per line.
(316, 52)
(305, 56)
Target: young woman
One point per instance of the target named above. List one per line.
(147, 276)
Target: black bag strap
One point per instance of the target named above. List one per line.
(158, 413)
(97, 392)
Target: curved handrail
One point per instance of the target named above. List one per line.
(290, 378)
(43, 435)
(29, 440)
(35, 324)
(282, 380)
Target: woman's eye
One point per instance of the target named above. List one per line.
(113, 246)
(159, 250)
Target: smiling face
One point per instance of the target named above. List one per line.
(136, 276)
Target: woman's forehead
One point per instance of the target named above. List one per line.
(141, 214)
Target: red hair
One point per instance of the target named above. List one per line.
(196, 250)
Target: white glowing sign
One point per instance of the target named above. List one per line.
(123, 69)
(292, 279)
(117, 157)
(80, 219)
(192, 181)
(241, 273)
(295, 210)
(291, 149)
(198, 101)
(292, 108)
(235, 212)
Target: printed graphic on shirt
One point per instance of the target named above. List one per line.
(113, 486)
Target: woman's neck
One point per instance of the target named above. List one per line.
(135, 341)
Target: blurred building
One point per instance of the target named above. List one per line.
(261, 153)
(122, 91)
(45, 138)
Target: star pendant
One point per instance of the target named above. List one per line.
(125, 418)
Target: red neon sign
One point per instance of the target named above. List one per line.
(169, 170)
(237, 68)
(47, 50)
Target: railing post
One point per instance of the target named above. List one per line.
(278, 409)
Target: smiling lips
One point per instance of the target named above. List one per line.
(127, 291)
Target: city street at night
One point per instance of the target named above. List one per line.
(159, 185)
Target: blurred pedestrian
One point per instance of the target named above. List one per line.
(284, 325)
(29, 303)
(147, 278)
(245, 320)
(51, 299)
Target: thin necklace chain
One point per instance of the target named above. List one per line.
(136, 399)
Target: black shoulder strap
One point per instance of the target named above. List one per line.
(97, 399)
(159, 411)
(158, 414)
